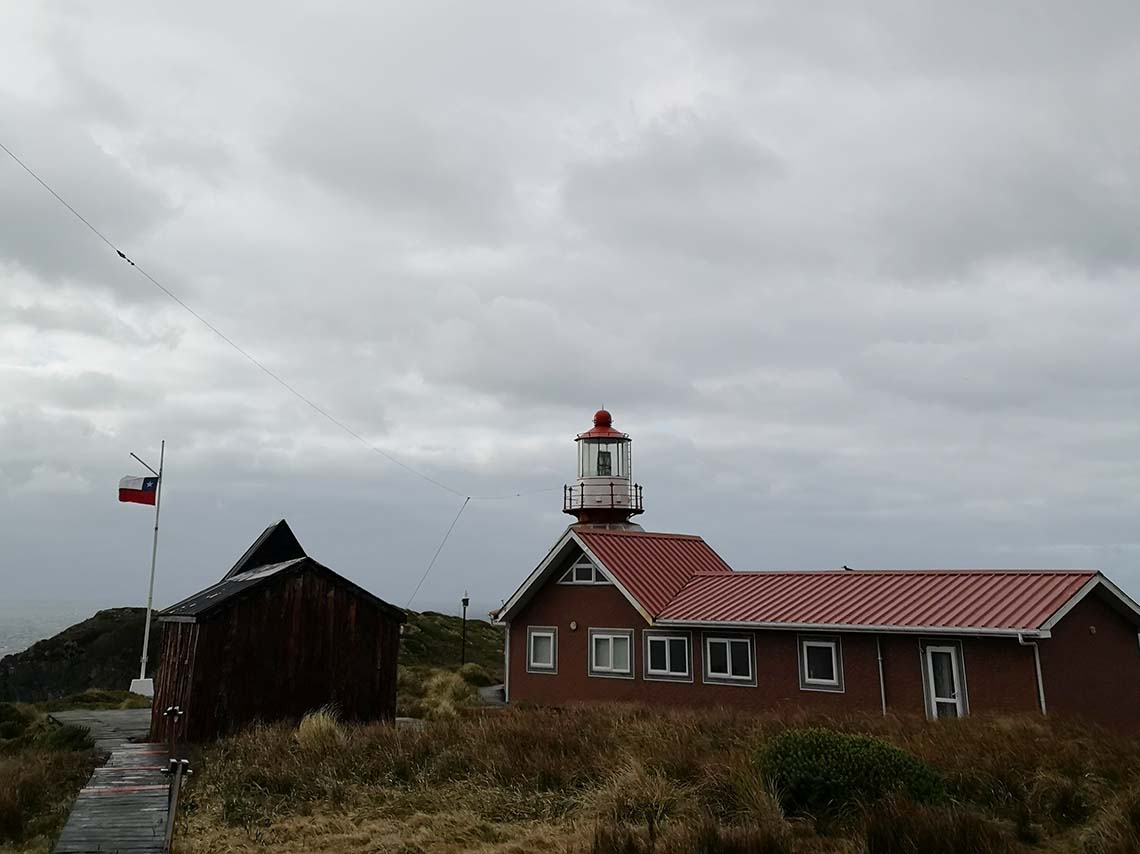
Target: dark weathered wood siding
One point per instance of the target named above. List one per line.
(292, 646)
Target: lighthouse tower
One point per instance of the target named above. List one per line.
(604, 493)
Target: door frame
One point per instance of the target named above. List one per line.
(954, 649)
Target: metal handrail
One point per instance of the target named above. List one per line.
(178, 769)
(581, 498)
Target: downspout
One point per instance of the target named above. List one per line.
(507, 664)
(1037, 666)
(882, 684)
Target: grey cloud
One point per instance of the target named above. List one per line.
(860, 283)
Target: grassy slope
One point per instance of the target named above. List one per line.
(598, 779)
(433, 640)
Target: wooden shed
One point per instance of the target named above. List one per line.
(278, 636)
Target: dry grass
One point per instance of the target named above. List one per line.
(320, 731)
(634, 780)
(38, 782)
(436, 693)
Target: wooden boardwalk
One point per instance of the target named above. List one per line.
(123, 807)
(110, 727)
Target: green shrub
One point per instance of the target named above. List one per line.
(13, 714)
(822, 771)
(67, 737)
(12, 729)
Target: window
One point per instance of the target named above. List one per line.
(667, 657)
(604, 467)
(944, 679)
(821, 664)
(611, 652)
(729, 659)
(542, 649)
(583, 572)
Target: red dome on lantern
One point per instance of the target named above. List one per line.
(603, 427)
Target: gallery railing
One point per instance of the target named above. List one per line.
(602, 497)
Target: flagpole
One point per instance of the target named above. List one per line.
(153, 560)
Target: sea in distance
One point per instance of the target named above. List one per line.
(22, 623)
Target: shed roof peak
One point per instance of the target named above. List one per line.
(276, 544)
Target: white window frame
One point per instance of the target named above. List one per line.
(609, 672)
(832, 642)
(957, 659)
(570, 575)
(728, 679)
(665, 675)
(542, 631)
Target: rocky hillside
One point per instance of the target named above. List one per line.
(103, 653)
(100, 652)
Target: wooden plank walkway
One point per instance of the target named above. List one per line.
(123, 807)
(111, 727)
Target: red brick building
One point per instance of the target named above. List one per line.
(617, 613)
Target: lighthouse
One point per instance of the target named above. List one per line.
(604, 494)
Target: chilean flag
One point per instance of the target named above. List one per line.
(138, 490)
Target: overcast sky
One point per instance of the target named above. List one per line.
(861, 281)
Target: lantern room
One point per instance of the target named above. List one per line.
(603, 493)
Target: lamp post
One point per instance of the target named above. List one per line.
(463, 635)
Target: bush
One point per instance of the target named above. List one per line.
(822, 771)
(67, 737)
(13, 714)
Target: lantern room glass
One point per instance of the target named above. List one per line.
(603, 459)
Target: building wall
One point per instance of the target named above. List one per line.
(281, 651)
(1000, 675)
(1095, 676)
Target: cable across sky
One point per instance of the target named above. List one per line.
(249, 357)
(281, 381)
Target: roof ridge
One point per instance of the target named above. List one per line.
(852, 572)
(658, 534)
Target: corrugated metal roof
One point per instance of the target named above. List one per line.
(229, 587)
(1018, 600)
(652, 567)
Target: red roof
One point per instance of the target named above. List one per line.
(1019, 600)
(652, 567)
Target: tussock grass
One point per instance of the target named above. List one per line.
(435, 693)
(320, 731)
(625, 778)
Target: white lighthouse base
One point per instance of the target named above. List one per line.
(144, 687)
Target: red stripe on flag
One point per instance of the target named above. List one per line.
(138, 496)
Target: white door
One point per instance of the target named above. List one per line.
(942, 681)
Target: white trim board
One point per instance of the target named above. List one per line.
(1092, 584)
